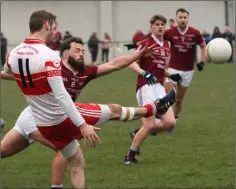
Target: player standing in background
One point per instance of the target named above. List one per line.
(2, 123)
(149, 88)
(183, 40)
(37, 71)
(76, 75)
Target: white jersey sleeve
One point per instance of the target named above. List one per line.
(53, 70)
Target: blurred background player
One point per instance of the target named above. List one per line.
(37, 71)
(151, 73)
(171, 23)
(4, 45)
(93, 45)
(75, 76)
(138, 36)
(183, 40)
(2, 123)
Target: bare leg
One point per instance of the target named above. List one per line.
(129, 113)
(168, 86)
(59, 165)
(166, 123)
(148, 124)
(181, 92)
(13, 143)
(77, 169)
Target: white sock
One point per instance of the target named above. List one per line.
(56, 186)
(127, 113)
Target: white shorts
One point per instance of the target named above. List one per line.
(149, 93)
(25, 124)
(187, 76)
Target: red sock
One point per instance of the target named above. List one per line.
(151, 110)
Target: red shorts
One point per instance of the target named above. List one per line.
(62, 134)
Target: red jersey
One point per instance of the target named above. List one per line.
(183, 47)
(155, 64)
(74, 83)
(138, 37)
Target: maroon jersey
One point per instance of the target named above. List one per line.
(183, 47)
(154, 64)
(75, 83)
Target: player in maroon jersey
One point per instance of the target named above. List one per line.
(75, 76)
(151, 73)
(183, 40)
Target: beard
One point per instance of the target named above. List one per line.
(77, 65)
(182, 25)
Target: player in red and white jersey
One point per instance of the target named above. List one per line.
(75, 76)
(183, 40)
(151, 73)
(37, 71)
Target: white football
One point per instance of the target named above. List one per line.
(218, 51)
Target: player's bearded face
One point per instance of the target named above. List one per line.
(76, 64)
(182, 19)
(158, 28)
(76, 57)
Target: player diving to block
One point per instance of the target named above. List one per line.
(75, 76)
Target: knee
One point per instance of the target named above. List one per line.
(170, 123)
(77, 163)
(149, 125)
(3, 153)
(116, 110)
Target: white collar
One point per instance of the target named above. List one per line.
(161, 43)
(183, 32)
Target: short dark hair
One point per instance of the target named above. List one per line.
(171, 20)
(182, 10)
(158, 17)
(66, 44)
(38, 18)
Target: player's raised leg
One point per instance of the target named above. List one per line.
(160, 107)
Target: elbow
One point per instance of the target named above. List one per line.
(116, 67)
(61, 96)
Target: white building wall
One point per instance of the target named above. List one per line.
(120, 19)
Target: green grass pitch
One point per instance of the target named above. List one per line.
(200, 154)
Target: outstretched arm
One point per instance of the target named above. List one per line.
(149, 77)
(123, 61)
(136, 68)
(117, 64)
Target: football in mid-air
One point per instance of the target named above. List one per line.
(218, 51)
